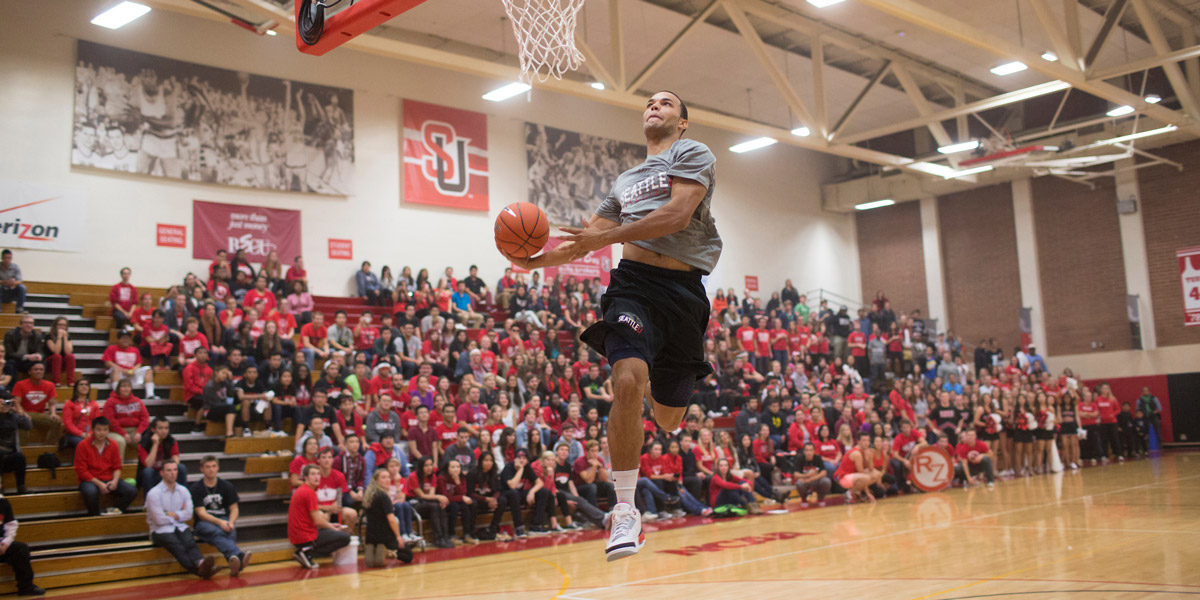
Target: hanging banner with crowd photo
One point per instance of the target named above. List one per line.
(1189, 275)
(150, 115)
(445, 156)
(255, 229)
(571, 173)
(597, 263)
(41, 217)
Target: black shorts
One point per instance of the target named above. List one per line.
(1069, 429)
(660, 316)
(1023, 436)
(1043, 434)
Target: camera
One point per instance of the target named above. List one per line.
(8, 402)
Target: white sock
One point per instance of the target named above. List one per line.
(625, 483)
(149, 389)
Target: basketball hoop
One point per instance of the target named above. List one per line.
(545, 31)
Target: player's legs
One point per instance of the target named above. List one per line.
(631, 376)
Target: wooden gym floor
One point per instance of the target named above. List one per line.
(1119, 531)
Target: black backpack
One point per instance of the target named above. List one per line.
(49, 460)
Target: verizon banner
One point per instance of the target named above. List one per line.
(255, 229)
(595, 264)
(42, 217)
(1189, 275)
(445, 156)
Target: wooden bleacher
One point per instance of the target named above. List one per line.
(70, 548)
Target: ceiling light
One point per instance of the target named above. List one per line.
(1134, 136)
(1153, 98)
(965, 172)
(823, 3)
(933, 169)
(754, 144)
(504, 93)
(596, 85)
(1049, 56)
(962, 147)
(1009, 68)
(120, 15)
(875, 204)
(1120, 111)
(801, 132)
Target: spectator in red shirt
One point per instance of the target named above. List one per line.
(126, 415)
(296, 272)
(314, 341)
(191, 340)
(857, 342)
(78, 413)
(97, 465)
(971, 457)
(60, 352)
(141, 316)
(121, 299)
(309, 530)
(39, 400)
(1110, 439)
(854, 472)
(431, 505)
(728, 490)
(195, 375)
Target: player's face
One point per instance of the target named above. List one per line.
(662, 115)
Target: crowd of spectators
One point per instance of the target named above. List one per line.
(456, 399)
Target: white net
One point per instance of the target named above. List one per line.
(545, 31)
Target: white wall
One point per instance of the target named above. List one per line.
(767, 203)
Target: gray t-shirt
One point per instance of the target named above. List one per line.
(647, 187)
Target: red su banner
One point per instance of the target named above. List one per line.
(596, 264)
(445, 156)
(255, 229)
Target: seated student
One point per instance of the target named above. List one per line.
(674, 464)
(453, 485)
(157, 347)
(316, 430)
(78, 412)
(157, 448)
(309, 528)
(331, 489)
(543, 495)
(122, 298)
(349, 421)
(810, 475)
(191, 341)
(653, 469)
(399, 493)
(168, 509)
(487, 491)
(12, 420)
(729, 493)
(854, 472)
(564, 469)
(39, 399)
(219, 400)
(124, 362)
(253, 398)
(15, 553)
(306, 456)
(216, 502)
(381, 452)
(351, 464)
(60, 353)
(423, 483)
(195, 376)
(383, 534)
(98, 467)
(127, 416)
(24, 343)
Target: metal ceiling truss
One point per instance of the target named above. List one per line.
(969, 97)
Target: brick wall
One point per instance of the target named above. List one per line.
(979, 263)
(891, 257)
(1080, 266)
(1170, 205)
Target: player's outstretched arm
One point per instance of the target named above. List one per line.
(671, 217)
(565, 253)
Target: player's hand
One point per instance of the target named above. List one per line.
(585, 239)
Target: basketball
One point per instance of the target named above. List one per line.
(521, 230)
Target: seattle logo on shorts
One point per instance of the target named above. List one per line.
(632, 321)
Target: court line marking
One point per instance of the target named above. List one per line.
(578, 595)
(1035, 592)
(566, 578)
(1054, 529)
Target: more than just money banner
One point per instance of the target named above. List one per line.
(597, 263)
(41, 217)
(255, 229)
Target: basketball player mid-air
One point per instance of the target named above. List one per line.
(655, 310)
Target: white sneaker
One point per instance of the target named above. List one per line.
(650, 517)
(625, 536)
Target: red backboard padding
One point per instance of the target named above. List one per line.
(351, 21)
